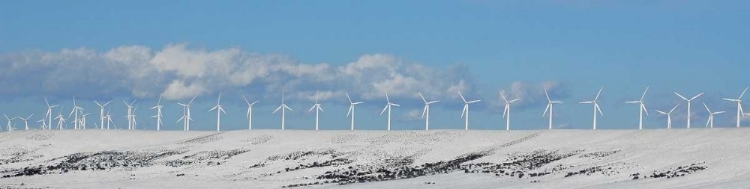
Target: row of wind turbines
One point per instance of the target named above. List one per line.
(105, 120)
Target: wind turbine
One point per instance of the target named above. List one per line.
(669, 116)
(109, 120)
(283, 108)
(130, 114)
(550, 104)
(711, 116)
(75, 111)
(101, 113)
(60, 120)
(186, 115)
(388, 107)
(83, 121)
(351, 108)
(642, 108)
(596, 106)
(317, 108)
(249, 112)
(426, 111)
(688, 105)
(465, 112)
(506, 111)
(26, 121)
(135, 123)
(10, 120)
(219, 110)
(48, 116)
(44, 123)
(158, 115)
(740, 113)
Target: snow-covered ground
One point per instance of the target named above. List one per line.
(678, 158)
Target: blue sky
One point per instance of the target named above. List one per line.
(101, 50)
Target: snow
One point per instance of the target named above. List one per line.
(702, 158)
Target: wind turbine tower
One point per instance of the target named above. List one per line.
(550, 104)
(669, 116)
(688, 105)
(75, 112)
(130, 115)
(101, 113)
(596, 106)
(506, 111)
(48, 115)
(740, 113)
(465, 112)
(426, 111)
(60, 120)
(282, 107)
(10, 122)
(318, 109)
(219, 110)
(249, 113)
(642, 108)
(186, 115)
(351, 109)
(158, 115)
(388, 106)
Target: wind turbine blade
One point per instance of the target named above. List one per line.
(644, 93)
(729, 99)
(473, 101)
(222, 110)
(547, 94)
(704, 105)
(311, 108)
(503, 96)
(381, 112)
(347, 97)
(321, 109)
(277, 109)
(682, 97)
(632, 102)
(696, 96)
(212, 109)
(598, 93)
(387, 98)
(288, 108)
(97, 103)
(420, 95)
(586, 102)
(598, 109)
(514, 100)
(505, 110)
(191, 100)
(462, 96)
(643, 107)
(719, 112)
(357, 103)
(466, 107)
(742, 112)
(675, 107)
(546, 109)
(432, 102)
(661, 112)
(395, 105)
(424, 111)
(743, 93)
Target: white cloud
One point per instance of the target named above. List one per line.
(178, 72)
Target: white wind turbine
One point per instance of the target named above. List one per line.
(740, 113)
(186, 115)
(83, 120)
(158, 115)
(60, 120)
(317, 108)
(506, 111)
(688, 105)
(550, 104)
(75, 111)
(465, 112)
(10, 124)
(130, 115)
(642, 108)
(48, 115)
(26, 121)
(710, 121)
(669, 116)
(219, 110)
(596, 106)
(101, 113)
(249, 112)
(283, 108)
(388, 107)
(351, 109)
(109, 120)
(426, 111)
(44, 123)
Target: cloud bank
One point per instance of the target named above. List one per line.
(180, 72)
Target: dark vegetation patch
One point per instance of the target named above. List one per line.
(203, 139)
(258, 140)
(216, 157)
(18, 154)
(604, 170)
(679, 171)
(94, 162)
(596, 155)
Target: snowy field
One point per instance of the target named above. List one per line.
(678, 158)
